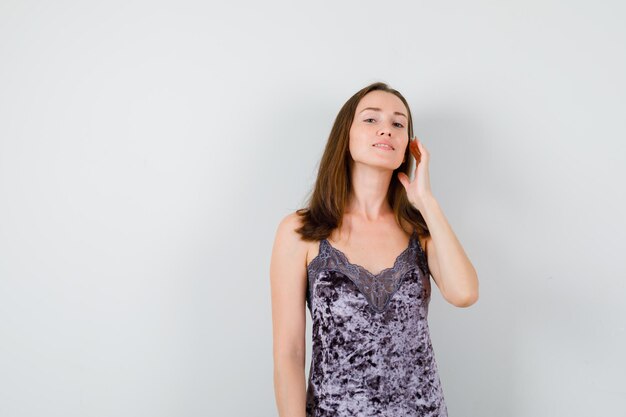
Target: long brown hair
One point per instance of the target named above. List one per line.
(325, 207)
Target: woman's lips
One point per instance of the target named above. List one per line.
(384, 148)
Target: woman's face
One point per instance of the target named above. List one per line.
(380, 118)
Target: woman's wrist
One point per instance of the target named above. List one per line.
(426, 203)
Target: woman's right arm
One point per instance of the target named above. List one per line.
(288, 281)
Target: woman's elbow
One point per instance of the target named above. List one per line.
(465, 299)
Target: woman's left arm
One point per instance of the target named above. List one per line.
(450, 267)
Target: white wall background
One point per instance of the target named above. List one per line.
(149, 149)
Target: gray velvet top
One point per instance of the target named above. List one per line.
(371, 350)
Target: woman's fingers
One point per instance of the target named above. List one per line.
(415, 150)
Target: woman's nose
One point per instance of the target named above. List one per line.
(385, 129)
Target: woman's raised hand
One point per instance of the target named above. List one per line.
(419, 189)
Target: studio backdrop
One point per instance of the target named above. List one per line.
(148, 151)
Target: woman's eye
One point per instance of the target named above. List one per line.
(400, 125)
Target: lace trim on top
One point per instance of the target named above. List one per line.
(379, 288)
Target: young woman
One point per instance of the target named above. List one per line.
(360, 256)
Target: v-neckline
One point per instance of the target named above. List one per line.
(383, 271)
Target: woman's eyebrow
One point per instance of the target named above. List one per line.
(378, 109)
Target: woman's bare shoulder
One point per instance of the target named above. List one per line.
(286, 234)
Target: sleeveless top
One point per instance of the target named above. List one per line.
(371, 351)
